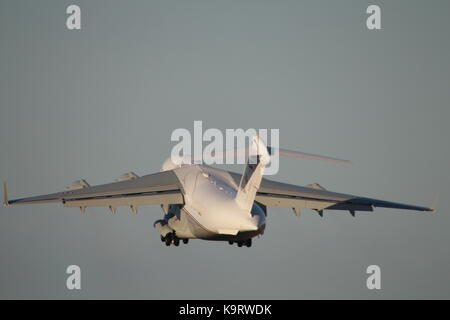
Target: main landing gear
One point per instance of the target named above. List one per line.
(247, 243)
(172, 238)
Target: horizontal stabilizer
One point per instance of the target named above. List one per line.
(243, 153)
(304, 155)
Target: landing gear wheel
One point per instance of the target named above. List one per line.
(248, 242)
(185, 241)
(230, 242)
(163, 239)
(176, 241)
(169, 238)
(239, 244)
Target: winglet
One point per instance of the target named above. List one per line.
(434, 204)
(5, 195)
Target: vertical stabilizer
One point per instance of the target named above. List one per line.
(251, 178)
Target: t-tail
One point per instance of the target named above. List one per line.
(251, 179)
(258, 158)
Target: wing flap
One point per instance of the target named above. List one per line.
(158, 188)
(272, 193)
(292, 202)
(173, 197)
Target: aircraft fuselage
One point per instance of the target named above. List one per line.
(211, 211)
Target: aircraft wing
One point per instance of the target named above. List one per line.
(272, 193)
(158, 188)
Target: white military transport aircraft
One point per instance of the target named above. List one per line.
(202, 202)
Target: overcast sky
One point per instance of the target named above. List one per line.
(104, 100)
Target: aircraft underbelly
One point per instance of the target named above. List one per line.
(194, 224)
(211, 211)
(198, 229)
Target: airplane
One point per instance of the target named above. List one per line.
(202, 202)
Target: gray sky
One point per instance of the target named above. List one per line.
(104, 100)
